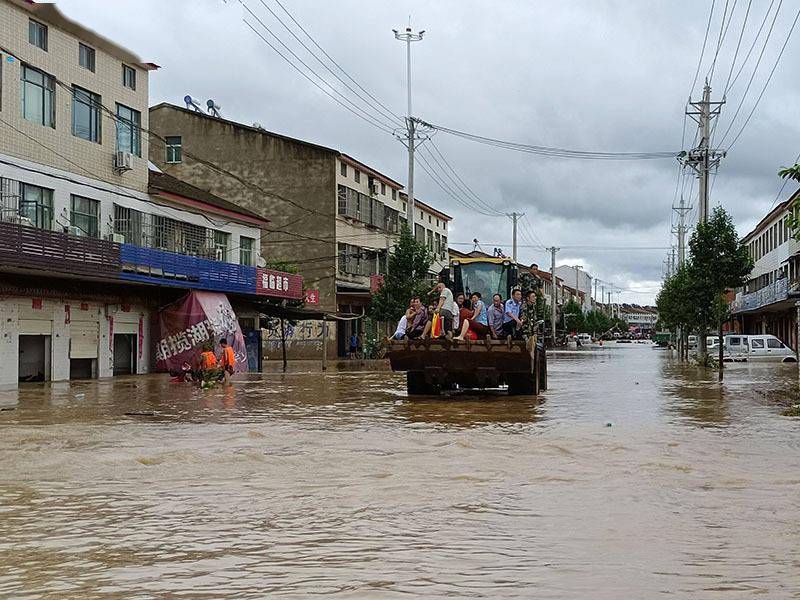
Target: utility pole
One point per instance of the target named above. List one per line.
(553, 251)
(703, 158)
(594, 296)
(577, 289)
(514, 217)
(409, 36)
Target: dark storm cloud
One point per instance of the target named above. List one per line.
(592, 75)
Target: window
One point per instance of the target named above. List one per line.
(85, 217)
(343, 169)
(756, 343)
(444, 248)
(36, 205)
(85, 114)
(437, 244)
(174, 149)
(128, 224)
(394, 194)
(357, 175)
(86, 57)
(430, 219)
(221, 245)
(246, 247)
(38, 96)
(437, 223)
(129, 130)
(430, 240)
(383, 189)
(419, 233)
(129, 77)
(37, 34)
(772, 343)
(405, 207)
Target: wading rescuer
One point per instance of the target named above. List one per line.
(228, 360)
(207, 365)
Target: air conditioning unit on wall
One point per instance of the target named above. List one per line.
(123, 161)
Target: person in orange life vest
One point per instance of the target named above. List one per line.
(207, 364)
(228, 360)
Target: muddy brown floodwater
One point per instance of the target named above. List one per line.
(633, 477)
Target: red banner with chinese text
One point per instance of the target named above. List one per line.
(189, 323)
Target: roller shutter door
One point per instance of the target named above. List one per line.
(84, 339)
(35, 327)
(123, 327)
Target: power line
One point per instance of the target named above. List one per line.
(738, 45)
(753, 74)
(703, 48)
(380, 109)
(358, 111)
(780, 191)
(464, 186)
(752, 46)
(766, 83)
(549, 150)
(329, 57)
(723, 31)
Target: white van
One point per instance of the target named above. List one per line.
(737, 345)
(768, 348)
(585, 339)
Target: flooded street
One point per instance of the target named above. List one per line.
(632, 477)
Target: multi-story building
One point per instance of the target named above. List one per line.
(332, 216)
(766, 304)
(643, 318)
(431, 228)
(92, 241)
(577, 278)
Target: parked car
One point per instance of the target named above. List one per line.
(769, 348)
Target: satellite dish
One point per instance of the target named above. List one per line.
(213, 107)
(260, 262)
(191, 103)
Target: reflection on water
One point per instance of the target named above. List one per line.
(634, 476)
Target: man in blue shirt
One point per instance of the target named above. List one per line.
(512, 324)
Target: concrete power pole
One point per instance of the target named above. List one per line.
(703, 158)
(514, 217)
(594, 296)
(553, 317)
(408, 36)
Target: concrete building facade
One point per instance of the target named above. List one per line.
(766, 304)
(331, 215)
(93, 242)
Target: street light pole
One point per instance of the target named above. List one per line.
(409, 36)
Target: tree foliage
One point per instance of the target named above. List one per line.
(694, 296)
(793, 173)
(408, 271)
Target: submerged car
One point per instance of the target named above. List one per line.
(756, 348)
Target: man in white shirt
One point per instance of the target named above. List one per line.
(445, 308)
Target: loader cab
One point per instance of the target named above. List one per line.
(488, 276)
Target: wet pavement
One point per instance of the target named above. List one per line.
(633, 477)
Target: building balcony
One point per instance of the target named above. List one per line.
(23, 247)
(765, 297)
(148, 265)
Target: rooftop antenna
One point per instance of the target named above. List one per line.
(191, 103)
(213, 108)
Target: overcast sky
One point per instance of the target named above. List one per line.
(610, 75)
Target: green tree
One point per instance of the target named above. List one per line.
(793, 173)
(408, 271)
(573, 317)
(719, 262)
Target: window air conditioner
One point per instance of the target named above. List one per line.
(117, 238)
(123, 161)
(72, 230)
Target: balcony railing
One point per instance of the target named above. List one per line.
(26, 247)
(167, 268)
(770, 294)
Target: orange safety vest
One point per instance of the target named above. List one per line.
(228, 358)
(208, 360)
